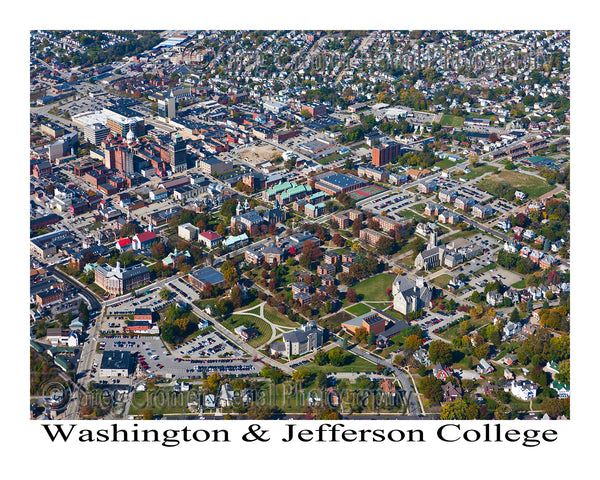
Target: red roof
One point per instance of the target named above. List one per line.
(210, 235)
(145, 236)
(124, 241)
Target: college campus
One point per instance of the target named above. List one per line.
(245, 224)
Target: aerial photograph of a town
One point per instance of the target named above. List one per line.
(299, 224)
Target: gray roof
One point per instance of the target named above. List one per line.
(208, 275)
(116, 359)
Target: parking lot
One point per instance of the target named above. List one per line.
(431, 322)
(151, 301)
(392, 204)
(184, 289)
(153, 358)
(479, 281)
(208, 345)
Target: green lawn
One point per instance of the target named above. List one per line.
(358, 309)
(445, 163)
(353, 364)
(478, 171)
(532, 186)
(259, 324)
(275, 317)
(375, 288)
(520, 284)
(442, 280)
(451, 120)
(410, 214)
(331, 158)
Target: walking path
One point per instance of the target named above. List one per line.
(276, 329)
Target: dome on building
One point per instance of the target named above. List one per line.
(130, 137)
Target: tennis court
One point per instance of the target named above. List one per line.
(366, 192)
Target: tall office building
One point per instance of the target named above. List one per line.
(167, 107)
(95, 133)
(177, 154)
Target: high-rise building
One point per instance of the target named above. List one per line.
(95, 133)
(384, 153)
(167, 107)
(177, 154)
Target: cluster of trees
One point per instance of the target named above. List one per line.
(555, 318)
(441, 352)
(364, 266)
(230, 273)
(178, 324)
(362, 335)
(97, 54)
(502, 189)
(418, 159)
(335, 357)
(513, 261)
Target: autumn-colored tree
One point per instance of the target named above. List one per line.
(361, 334)
(351, 295)
(412, 343)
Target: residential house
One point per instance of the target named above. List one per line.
(523, 389)
(484, 368)
(451, 392)
(422, 357)
(494, 298)
(441, 372)
(562, 389)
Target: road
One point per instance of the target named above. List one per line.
(409, 395)
(242, 345)
(411, 399)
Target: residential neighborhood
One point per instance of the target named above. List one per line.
(273, 224)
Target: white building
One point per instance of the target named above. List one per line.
(523, 389)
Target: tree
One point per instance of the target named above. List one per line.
(230, 274)
(228, 208)
(412, 343)
(84, 311)
(212, 382)
(337, 357)
(431, 387)
(321, 358)
(554, 407)
(361, 334)
(502, 412)
(351, 295)
(236, 296)
(322, 380)
(514, 316)
(530, 305)
(128, 230)
(386, 245)
(458, 410)
(338, 240)
(476, 297)
(441, 352)
(158, 251)
(301, 375)
(482, 351)
(165, 293)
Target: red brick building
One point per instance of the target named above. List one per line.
(383, 154)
